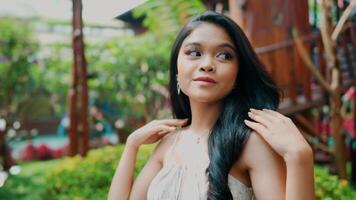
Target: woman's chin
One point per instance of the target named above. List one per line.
(204, 98)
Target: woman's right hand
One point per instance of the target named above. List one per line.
(154, 131)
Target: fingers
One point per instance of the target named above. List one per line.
(168, 125)
(165, 128)
(264, 120)
(162, 127)
(271, 115)
(162, 132)
(173, 122)
(259, 128)
(276, 114)
(260, 117)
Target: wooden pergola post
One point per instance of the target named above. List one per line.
(78, 93)
(3, 149)
(236, 13)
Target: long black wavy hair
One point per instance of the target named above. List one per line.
(254, 89)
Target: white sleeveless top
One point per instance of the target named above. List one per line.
(187, 180)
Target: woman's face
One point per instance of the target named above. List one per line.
(207, 64)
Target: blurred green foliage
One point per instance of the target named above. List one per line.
(135, 69)
(29, 184)
(129, 72)
(70, 178)
(89, 178)
(329, 187)
(18, 50)
(164, 18)
(34, 79)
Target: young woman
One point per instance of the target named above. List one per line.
(233, 145)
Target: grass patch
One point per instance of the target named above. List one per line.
(28, 184)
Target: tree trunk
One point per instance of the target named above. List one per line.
(335, 96)
(82, 129)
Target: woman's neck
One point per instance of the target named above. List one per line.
(204, 116)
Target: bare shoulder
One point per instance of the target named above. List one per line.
(257, 151)
(254, 148)
(151, 168)
(163, 146)
(266, 168)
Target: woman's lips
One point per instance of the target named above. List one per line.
(205, 80)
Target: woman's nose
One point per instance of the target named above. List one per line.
(207, 65)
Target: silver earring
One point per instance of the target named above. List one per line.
(178, 88)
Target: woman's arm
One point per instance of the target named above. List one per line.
(300, 175)
(285, 139)
(266, 169)
(122, 187)
(122, 182)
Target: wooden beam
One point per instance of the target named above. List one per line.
(286, 44)
(305, 124)
(289, 109)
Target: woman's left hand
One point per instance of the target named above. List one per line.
(279, 132)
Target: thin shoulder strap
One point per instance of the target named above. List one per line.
(176, 138)
(170, 150)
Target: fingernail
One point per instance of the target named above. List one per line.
(252, 109)
(162, 133)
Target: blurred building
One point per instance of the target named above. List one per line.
(53, 18)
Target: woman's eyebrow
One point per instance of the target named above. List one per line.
(192, 44)
(228, 46)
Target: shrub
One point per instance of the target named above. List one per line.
(29, 183)
(88, 178)
(329, 187)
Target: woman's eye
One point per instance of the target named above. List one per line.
(193, 53)
(225, 56)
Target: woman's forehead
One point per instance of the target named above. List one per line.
(208, 34)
